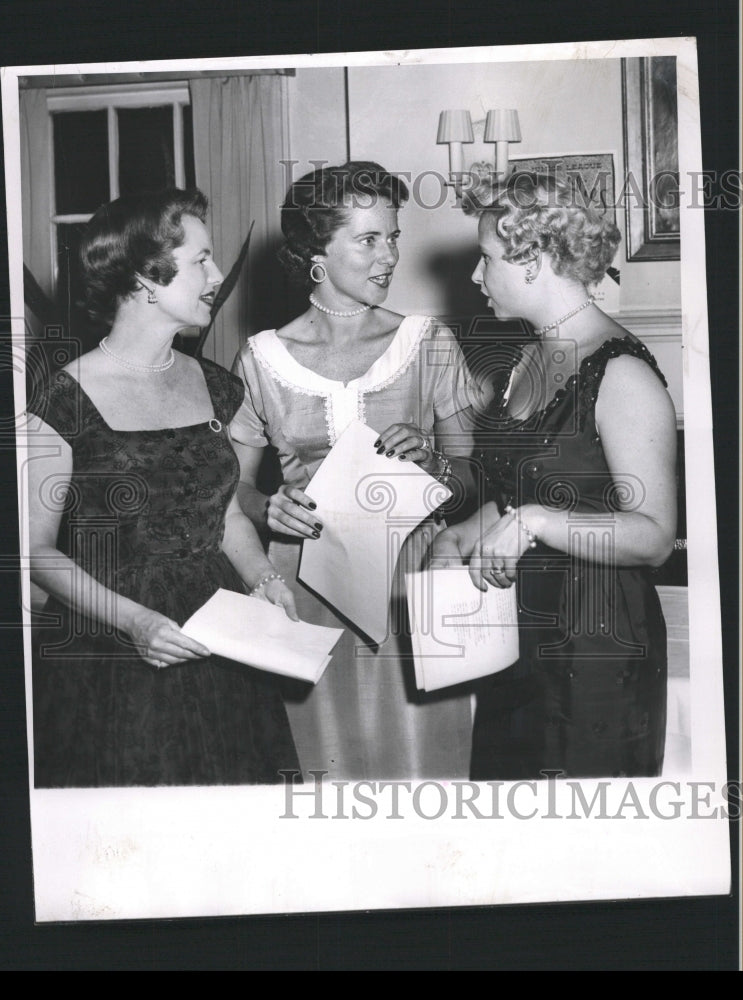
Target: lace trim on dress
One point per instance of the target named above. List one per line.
(390, 366)
(330, 420)
(408, 360)
(277, 377)
(326, 396)
(330, 415)
(326, 392)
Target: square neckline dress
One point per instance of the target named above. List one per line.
(144, 515)
(587, 697)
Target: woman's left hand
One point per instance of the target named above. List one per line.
(408, 443)
(446, 550)
(496, 554)
(276, 592)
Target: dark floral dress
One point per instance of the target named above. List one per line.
(587, 697)
(144, 515)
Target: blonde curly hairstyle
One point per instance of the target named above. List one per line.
(531, 212)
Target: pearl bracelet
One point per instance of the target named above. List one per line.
(524, 526)
(266, 579)
(444, 471)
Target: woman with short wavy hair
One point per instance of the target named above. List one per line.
(134, 524)
(580, 471)
(347, 357)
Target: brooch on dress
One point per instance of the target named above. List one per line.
(215, 425)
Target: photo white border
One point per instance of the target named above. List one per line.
(101, 854)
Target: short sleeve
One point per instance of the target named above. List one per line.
(226, 390)
(58, 403)
(455, 387)
(249, 422)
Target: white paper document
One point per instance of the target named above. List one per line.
(368, 504)
(458, 632)
(252, 631)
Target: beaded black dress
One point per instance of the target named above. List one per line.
(587, 697)
(145, 516)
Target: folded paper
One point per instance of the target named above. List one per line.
(459, 633)
(252, 631)
(369, 504)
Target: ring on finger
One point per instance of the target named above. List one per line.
(499, 569)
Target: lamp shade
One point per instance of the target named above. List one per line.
(455, 126)
(502, 126)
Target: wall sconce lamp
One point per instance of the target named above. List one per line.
(455, 128)
(502, 127)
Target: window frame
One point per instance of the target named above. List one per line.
(110, 98)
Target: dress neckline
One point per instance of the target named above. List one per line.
(145, 430)
(394, 357)
(559, 394)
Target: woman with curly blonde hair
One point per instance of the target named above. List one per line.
(579, 455)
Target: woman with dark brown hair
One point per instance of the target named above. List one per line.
(348, 357)
(134, 524)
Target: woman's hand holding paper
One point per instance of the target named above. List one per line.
(291, 512)
(407, 442)
(276, 592)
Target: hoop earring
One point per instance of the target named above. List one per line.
(323, 276)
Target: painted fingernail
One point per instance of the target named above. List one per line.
(312, 505)
(390, 453)
(376, 443)
(315, 534)
(318, 525)
(402, 457)
(380, 449)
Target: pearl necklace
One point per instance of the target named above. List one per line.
(551, 326)
(162, 367)
(335, 312)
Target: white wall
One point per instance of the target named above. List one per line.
(317, 117)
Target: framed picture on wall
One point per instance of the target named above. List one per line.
(591, 176)
(651, 193)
